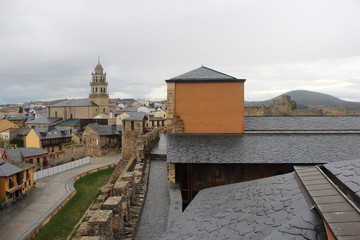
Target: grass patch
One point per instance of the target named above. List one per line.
(61, 225)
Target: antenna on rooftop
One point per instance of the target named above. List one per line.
(98, 59)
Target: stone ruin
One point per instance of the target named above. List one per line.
(116, 212)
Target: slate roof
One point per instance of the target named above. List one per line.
(135, 116)
(21, 165)
(74, 103)
(16, 117)
(269, 208)
(70, 123)
(106, 130)
(44, 120)
(339, 212)
(156, 118)
(17, 155)
(23, 131)
(7, 169)
(343, 123)
(204, 74)
(262, 148)
(52, 132)
(348, 173)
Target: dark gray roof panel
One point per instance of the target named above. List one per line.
(302, 123)
(262, 148)
(135, 116)
(74, 103)
(204, 74)
(17, 155)
(7, 169)
(157, 118)
(14, 155)
(52, 132)
(106, 130)
(306, 225)
(348, 172)
(247, 210)
(70, 123)
(44, 120)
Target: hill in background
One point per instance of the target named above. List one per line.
(311, 100)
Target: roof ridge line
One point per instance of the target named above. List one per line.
(218, 71)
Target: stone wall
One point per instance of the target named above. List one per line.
(67, 154)
(283, 107)
(135, 142)
(117, 210)
(73, 112)
(175, 125)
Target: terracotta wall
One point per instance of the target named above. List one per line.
(210, 107)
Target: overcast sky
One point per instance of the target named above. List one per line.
(48, 49)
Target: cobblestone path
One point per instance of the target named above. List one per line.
(154, 216)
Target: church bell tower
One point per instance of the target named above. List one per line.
(98, 88)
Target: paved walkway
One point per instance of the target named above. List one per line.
(17, 220)
(160, 147)
(154, 216)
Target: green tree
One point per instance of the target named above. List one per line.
(4, 143)
(17, 141)
(21, 110)
(293, 106)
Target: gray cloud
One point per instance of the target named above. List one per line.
(49, 48)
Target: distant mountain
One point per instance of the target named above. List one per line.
(308, 99)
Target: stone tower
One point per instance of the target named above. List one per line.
(98, 94)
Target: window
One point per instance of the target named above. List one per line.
(38, 160)
(30, 161)
(52, 149)
(11, 183)
(103, 110)
(55, 113)
(132, 125)
(217, 173)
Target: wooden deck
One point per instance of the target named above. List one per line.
(339, 213)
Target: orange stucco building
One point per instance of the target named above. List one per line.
(206, 101)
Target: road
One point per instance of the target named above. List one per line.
(18, 220)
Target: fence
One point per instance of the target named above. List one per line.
(61, 168)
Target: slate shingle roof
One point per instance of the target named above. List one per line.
(70, 123)
(344, 123)
(135, 116)
(23, 131)
(74, 103)
(7, 169)
(18, 155)
(52, 132)
(157, 118)
(44, 120)
(262, 148)
(106, 130)
(204, 74)
(348, 173)
(306, 225)
(256, 209)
